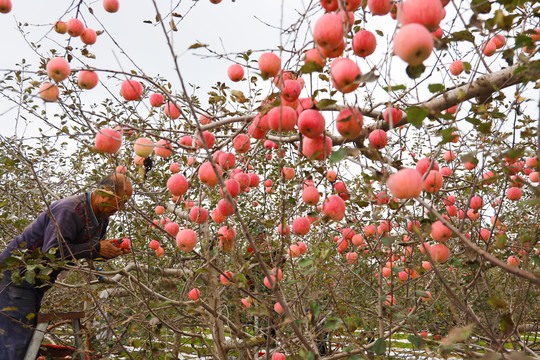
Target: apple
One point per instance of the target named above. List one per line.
(49, 92)
(334, 207)
(423, 165)
(328, 31)
(439, 232)
(349, 123)
(233, 186)
(143, 147)
(121, 169)
(513, 261)
(364, 43)
(311, 123)
(534, 176)
(278, 308)
(427, 297)
(108, 141)
(433, 181)
(209, 139)
(438, 33)
(111, 5)
(392, 115)
(318, 148)
(390, 300)
(235, 72)
(89, 36)
(291, 90)
(476, 202)
(207, 175)
(75, 27)
(125, 244)
(186, 240)
(413, 43)
(58, 69)
(198, 215)
(331, 175)
(87, 79)
(241, 143)
(282, 118)
(156, 100)
(226, 208)
(513, 193)
(405, 184)
(301, 225)
(217, 216)
(315, 56)
(131, 90)
(172, 110)
(269, 64)
(379, 7)
(310, 196)
(253, 180)
(287, 173)
(172, 228)
(194, 294)
(456, 67)
(60, 27)
(428, 13)
(488, 48)
(378, 139)
(154, 245)
(177, 184)
(439, 253)
(243, 180)
(345, 75)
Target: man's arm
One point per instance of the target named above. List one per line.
(63, 231)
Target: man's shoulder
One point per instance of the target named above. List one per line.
(75, 204)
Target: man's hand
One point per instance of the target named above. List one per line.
(109, 250)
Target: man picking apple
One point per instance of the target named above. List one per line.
(71, 228)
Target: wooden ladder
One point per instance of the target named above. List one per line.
(43, 323)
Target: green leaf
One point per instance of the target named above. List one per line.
(462, 36)
(310, 67)
(415, 340)
(435, 88)
(379, 32)
(536, 260)
(338, 155)
(497, 303)
(332, 324)
(415, 72)
(379, 347)
(303, 263)
(315, 309)
(416, 114)
(197, 45)
(395, 87)
(324, 103)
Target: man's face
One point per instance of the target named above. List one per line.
(110, 204)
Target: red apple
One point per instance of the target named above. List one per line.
(428, 13)
(108, 140)
(172, 110)
(186, 240)
(311, 123)
(405, 184)
(269, 64)
(282, 118)
(207, 175)
(378, 139)
(111, 5)
(345, 75)
(49, 92)
(349, 123)
(364, 43)
(58, 69)
(413, 43)
(235, 72)
(177, 184)
(131, 90)
(156, 100)
(89, 36)
(318, 148)
(60, 27)
(75, 27)
(456, 67)
(5, 6)
(143, 147)
(315, 56)
(379, 7)
(328, 31)
(392, 115)
(334, 207)
(439, 253)
(87, 79)
(194, 294)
